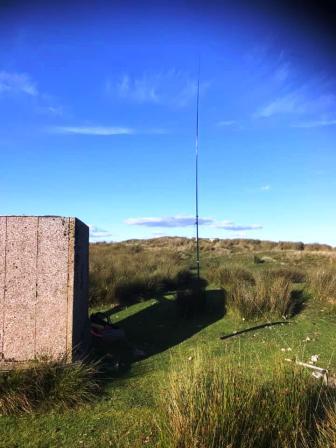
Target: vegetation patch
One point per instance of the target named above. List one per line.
(127, 274)
(47, 385)
(322, 285)
(255, 293)
(224, 404)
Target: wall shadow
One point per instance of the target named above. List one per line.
(159, 327)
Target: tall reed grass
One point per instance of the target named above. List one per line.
(223, 404)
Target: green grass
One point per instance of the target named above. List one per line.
(224, 403)
(128, 414)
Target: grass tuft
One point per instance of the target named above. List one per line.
(322, 285)
(254, 293)
(47, 385)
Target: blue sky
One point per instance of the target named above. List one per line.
(98, 107)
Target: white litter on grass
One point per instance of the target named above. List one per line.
(314, 358)
(318, 375)
(286, 349)
(190, 358)
(307, 339)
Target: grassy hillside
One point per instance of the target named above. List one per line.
(194, 389)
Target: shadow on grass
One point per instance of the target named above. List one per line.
(159, 327)
(299, 298)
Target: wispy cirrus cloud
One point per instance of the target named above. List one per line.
(282, 72)
(92, 130)
(287, 104)
(104, 130)
(289, 94)
(311, 99)
(14, 83)
(315, 124)
(171, 87)
(187, 221)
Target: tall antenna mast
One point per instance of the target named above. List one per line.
(196, 178)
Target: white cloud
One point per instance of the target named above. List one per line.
(300, 101)
(314, 124)
(265, 188)
(17, 83)
(236, 227)
(186, 221)
(158, 234)
(105, 130)
(287, 104)
(282, 72)
(97, 233)
(168, 221)
(140, 90)
(226, 123)
(172, 87)
(92, 130)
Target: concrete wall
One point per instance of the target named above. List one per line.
(43, 287)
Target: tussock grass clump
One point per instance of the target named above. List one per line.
(222, 405)
(268, 295)
(253, 294)
(291, 274)
(322, 285)
(47, 385)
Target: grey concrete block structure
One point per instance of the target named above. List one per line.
(43, 288)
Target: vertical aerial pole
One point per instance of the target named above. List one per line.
(196, 179)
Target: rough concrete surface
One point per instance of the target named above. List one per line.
(43, 287)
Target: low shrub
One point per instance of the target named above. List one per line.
(223, 405)
(47, 385)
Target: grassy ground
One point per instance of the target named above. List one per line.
(125, 415)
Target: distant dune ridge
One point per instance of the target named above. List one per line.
(231, 244)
